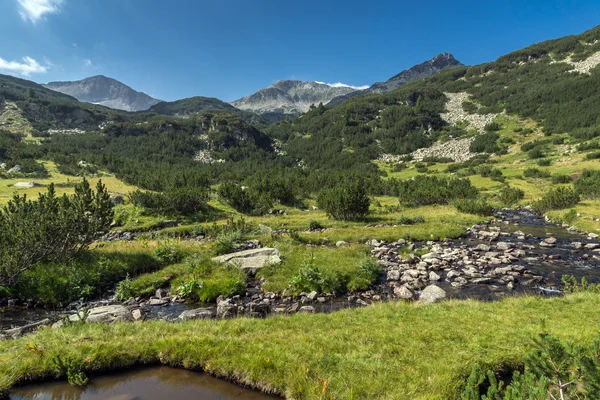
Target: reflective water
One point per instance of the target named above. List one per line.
(144, 384)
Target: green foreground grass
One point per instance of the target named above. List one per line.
(386, 351)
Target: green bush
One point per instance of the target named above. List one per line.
(184, 201)
(478, 206)
(406, 220)
(588, 184)
(533, 172)
(427, 190)
(430, 160)
(50, 229)
(168, 252)
(552, 370)
(492, 126)
(368, 272)
(558, 179)
(535, 153)
(314, 225)
(544, 162)
(244, 199)
(593, 156)
(533, 144)
(485, 143)
(510, 196)
(557, 199)
(345, 202)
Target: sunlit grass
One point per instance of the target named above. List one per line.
(388, 351)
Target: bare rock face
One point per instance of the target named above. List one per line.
(105, 91)
(251, 260)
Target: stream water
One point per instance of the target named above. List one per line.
(156, 383)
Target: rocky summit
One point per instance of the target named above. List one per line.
(291, 97)
(428, 68)
(105, 91)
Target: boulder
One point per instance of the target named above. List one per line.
(107, 314)
(251, 260)
(341, 243)
(402, 292)
(25, 185)
(198, 313)
(307, 309)
(23, 330)
(432, 294)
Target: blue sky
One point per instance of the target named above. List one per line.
(230, 48)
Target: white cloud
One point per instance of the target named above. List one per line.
(340, 84)
(87, 62)
(25, 68)
(34, 10)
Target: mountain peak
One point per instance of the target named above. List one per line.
(290, 97)
(106, 91)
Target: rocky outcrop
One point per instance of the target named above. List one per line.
(456, 149)
(584, 66)
(105, 91)
(455, 113)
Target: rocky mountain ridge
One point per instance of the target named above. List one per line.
(290, 97)
(105, 91)
(425, 69)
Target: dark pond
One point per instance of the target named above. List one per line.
(144, 384)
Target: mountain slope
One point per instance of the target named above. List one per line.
(428, 68)
(105, 91)
(46, 109)
(198, 104)
(290, 98)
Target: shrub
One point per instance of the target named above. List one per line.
(427, 190)
(533, 172)
(243, 199)
(533, 144)
(510, 196)
(368, 272)
(50, 229)
(486, 171)
(593, 156)
(492, 127)
(469, 107)
(544, 162)
(558, 179)
(478, 206)
(485, 143)
(168, 252)
(314, 225)
(347, 201)
(421, 168)
(588, 184)
(124, 290)
(184, 201)
(406, 220)
(436, 159)
(535, 153)
(400, 167)
(552, 370)
(556, 199)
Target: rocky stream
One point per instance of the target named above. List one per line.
(517, 252)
